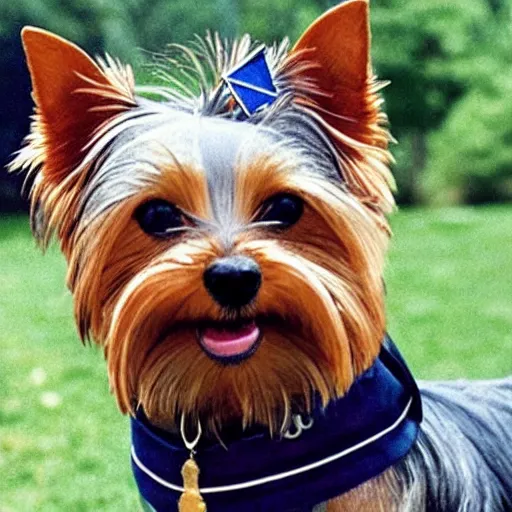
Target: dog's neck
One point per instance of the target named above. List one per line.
(346, 444)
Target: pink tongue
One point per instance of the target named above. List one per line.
(230, 342)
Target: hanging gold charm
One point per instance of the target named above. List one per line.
(191, 499)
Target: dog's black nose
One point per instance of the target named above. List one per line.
(233, 281)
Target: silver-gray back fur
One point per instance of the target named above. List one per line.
(462, 461)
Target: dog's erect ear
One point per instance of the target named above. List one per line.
(74, 98)
(336, 51)
(338, 43)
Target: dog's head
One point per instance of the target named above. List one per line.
(230, 263)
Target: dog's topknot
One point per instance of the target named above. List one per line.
(326, 77)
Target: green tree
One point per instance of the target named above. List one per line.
(417, 46)
(471, 154)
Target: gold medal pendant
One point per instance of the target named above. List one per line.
(191, 499)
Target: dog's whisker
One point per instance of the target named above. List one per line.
(181, 229)
(262, 224)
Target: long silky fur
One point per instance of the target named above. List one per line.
(462, 460)
(323, 276)
(340, 300)
(114, 270)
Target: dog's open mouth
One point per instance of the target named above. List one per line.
(230, 342)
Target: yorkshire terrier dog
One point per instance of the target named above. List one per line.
(225, 236)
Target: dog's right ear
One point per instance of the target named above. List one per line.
(334, 53)
(74, 98)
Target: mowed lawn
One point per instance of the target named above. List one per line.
(64, 446)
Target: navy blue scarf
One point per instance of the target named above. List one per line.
(352, 440)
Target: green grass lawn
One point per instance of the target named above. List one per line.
(64, 446)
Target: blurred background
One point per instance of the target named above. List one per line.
(450, 64)
(63, 444)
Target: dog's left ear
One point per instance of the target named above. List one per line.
(335, 51)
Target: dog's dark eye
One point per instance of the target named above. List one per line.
(283, 209)
(159, 218)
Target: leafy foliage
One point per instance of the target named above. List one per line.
(441, 58)
(471, 155)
